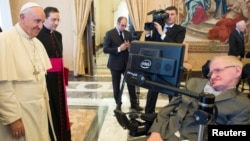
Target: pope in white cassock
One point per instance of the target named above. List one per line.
(24, 109)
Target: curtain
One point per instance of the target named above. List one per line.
(5, 15)
(180, 5)
(82, 10)
(137, 12)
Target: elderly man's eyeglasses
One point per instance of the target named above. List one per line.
(217, 71)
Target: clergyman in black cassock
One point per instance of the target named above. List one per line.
(55, 78)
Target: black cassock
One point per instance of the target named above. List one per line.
(52, 42)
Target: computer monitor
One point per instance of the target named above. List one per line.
(136, 35)
(157, 62)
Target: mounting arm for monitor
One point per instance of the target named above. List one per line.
(203, 115)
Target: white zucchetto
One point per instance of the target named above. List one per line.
(29, 5)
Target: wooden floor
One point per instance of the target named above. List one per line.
(81, 120)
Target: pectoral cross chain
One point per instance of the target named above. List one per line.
(35, 73)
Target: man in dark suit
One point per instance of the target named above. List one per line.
(168, 32)
(236, 40)
(116, 44)
(0, 29)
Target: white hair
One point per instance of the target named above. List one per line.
(240, 23)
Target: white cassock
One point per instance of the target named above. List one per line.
(23, 93)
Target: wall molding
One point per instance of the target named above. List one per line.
(210, 47)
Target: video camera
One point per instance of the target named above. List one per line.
(158, 16)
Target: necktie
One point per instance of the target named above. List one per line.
(168, 29)
(242, 34)
(121, 36)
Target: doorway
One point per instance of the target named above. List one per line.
(100, 57)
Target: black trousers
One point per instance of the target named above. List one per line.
(116, 81)
(151, 101)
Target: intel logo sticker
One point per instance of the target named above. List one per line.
(145, 64)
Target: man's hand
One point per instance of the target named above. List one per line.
(158, 28)
(17, 128)
(125, 45)
(155, 137)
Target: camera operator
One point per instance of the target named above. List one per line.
(167, 32)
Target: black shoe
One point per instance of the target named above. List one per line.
(136, 107)
(118, 107)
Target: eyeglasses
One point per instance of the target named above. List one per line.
(123, 25)
(217, 71)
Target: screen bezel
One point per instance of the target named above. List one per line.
(166, 64)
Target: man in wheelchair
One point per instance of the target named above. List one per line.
(177, 120)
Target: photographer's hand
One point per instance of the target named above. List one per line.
(158, 28)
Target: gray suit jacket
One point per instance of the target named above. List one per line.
(233, 108)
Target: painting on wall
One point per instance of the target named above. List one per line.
(209, 22)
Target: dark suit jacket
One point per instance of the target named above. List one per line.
(0, 29)
(233, 108)
(117, 60)
(176, 35)
(236, 44)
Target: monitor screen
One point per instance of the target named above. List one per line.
(157, 62)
